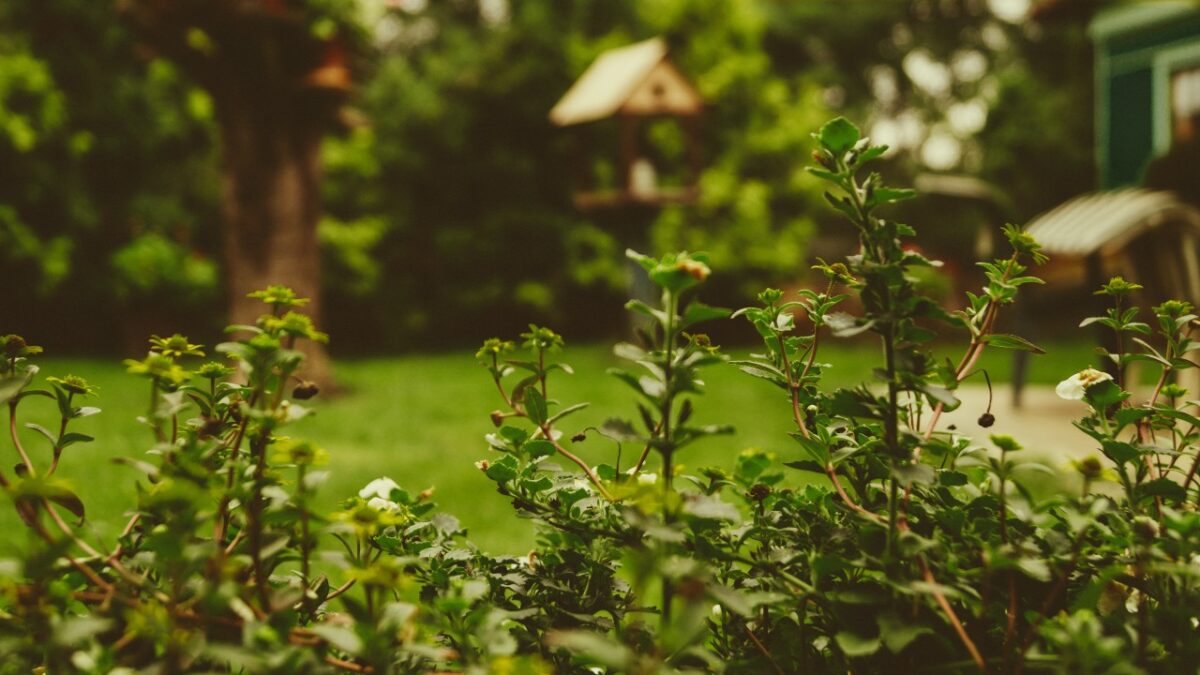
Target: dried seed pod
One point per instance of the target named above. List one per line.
(305, 390)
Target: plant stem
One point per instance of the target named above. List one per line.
(667, 448)
(12, 432)
(305, 545)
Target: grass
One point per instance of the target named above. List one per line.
(420, 419)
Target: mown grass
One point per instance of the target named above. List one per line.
(420, 419)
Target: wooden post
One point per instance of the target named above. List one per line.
(629, 151)
(695, 152)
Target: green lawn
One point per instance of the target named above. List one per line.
(420, 419)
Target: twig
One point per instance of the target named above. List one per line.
(765, 652)
(952, 617)
(545, 428)
(12, 432)
(646, 450)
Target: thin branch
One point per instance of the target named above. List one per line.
(765, 652)
(12, 432)
(545, 428)
(952, 617)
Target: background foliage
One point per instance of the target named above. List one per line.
(449, 202)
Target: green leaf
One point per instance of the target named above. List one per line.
(1104, 394)
(856, 645)
(1161, 487)
(567, 411)
(711, 508)
(952, 478)
(941, 395)
(898, 633)
(1119, 452)
(339, 636)
(642, 259)
(642, 308)
(806, 465)
(71, 438)
(11, 385)
(698, 312)
(888, 195)
(539, 448)
(838, 135)
(593, 647)
(535, 406)
(618, 430)
(764, 371)
(1034, 568)
(1006, 341)
(503, 469)
(871, 153)
(917, 472)
(43, 431)
(70, 501)
(815, 448)
(731, 599)
(824, 175)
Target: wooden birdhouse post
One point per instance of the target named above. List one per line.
(635, 85)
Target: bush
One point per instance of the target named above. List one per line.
(912, 550)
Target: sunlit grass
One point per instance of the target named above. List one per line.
(420, 419)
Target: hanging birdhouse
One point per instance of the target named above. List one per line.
(657, 113)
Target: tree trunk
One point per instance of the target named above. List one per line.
(271, 206)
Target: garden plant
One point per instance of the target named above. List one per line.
(871, 540)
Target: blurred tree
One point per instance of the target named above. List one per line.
(278, 73)
(98, 150)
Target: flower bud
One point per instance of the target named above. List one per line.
(305, 390)
(13, 344)
(759, 492)
(1091, 468)
(1145, 528)
(986, 420)
(497, 418)
(211, 428)
(696, 269)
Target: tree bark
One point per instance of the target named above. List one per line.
(271, 205)
(277, 89)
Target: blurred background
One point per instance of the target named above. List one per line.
(398, 161)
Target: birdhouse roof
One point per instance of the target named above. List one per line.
(637, 79)
(1107, 220)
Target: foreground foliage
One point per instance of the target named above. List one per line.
(915, 551)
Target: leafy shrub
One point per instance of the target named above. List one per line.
(910, 550)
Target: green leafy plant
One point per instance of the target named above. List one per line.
(872, 540)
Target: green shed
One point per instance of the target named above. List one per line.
(1147, 84)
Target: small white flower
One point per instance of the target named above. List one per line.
(1074, 387)
(380, 487)
(647, 478)
(716, 611)
(381, 504)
